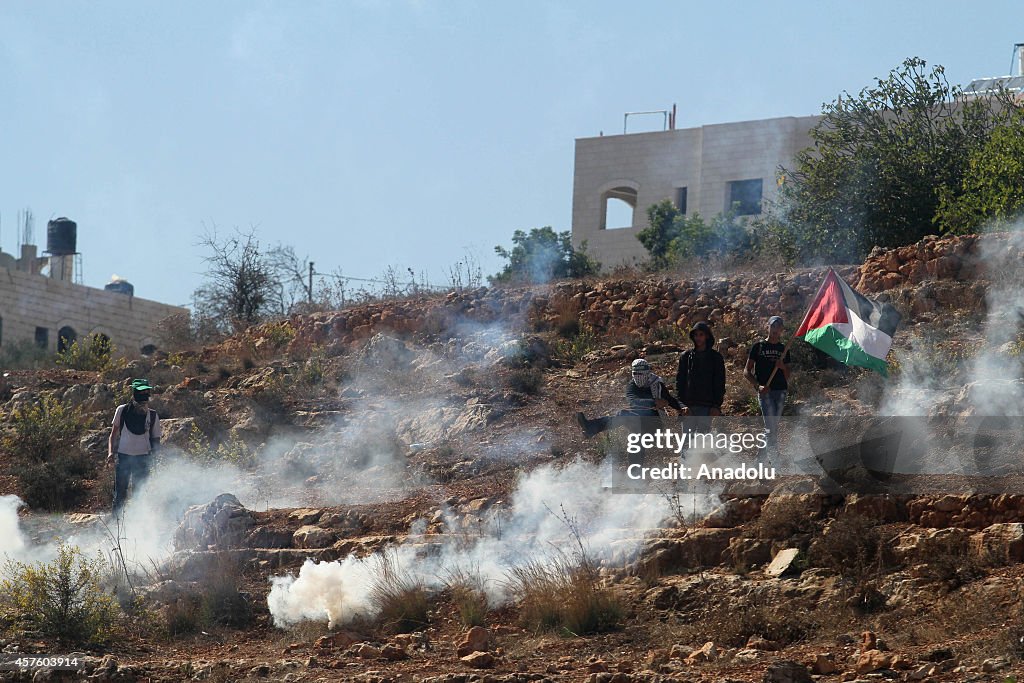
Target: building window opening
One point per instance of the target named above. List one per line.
(681, 200)
(42, 337)
(744, 197)
(65, 338)
(100, 344)
(619, 205)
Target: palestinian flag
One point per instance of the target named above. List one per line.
(848, 326)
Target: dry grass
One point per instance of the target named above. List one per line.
(468, 595)
(849, 545)
(781, 518)
(730, 621)
(400, 601)
(564, 596)
(526, 380)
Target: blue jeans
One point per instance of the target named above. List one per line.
(129, 468)
(771, 408)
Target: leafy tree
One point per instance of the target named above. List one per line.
(671, 235)
(879, 158)
(542, 255)
(992, 190)
(662, 228)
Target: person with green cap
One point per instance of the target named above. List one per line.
(134, 437)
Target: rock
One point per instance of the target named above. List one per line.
(824, 664)
(393, 653)
(385, 351)
(367, 651)
(759, 643)
(1001, 543)
(177, 430)
(479, 660)
(787, 672)
(341, 640)
(680, 652)
(477, 639)
(222, 523)
(308, 537)
(709, 652)
(82, 519)
(995, 664)
(873, 660)
(782, 562)
(305, 515)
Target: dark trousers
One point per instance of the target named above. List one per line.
(132, 469)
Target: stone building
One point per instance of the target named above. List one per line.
(52, 310)
(705, 170)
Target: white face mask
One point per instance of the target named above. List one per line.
(642, 379)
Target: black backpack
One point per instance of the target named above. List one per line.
(150, 418)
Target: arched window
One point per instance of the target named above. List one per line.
(66, 336)
(617, 207)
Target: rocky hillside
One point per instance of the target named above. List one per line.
(434, 438)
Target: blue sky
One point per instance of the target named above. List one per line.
(407, 133)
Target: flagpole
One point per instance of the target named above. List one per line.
(785, 350)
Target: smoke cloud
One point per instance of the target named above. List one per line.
(12, 542)
(552, 512)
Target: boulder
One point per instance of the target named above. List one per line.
(479, 660)
(222, 523)
(313, 537)
(782, 562)
(787, 672)
(477, 639)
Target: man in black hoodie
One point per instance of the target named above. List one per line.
(700, 380)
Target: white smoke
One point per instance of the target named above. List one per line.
(988, 383)
(12, 542)
(552, 511)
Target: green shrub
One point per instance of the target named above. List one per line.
(278, 334)
(95, 353)
(24, 354)
(62, 599)
(234, 450)
(49, 463)
(573, 350)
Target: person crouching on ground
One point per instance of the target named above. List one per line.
(134, 437)
(766, 357)
(646, 394)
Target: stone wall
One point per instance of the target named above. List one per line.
(922, 277)
(28, 301)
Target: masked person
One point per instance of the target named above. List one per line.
(646, 394)
(134, 437)
(766, 357)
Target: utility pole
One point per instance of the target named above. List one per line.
(309, 292)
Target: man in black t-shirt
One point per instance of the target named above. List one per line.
(763, 359)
